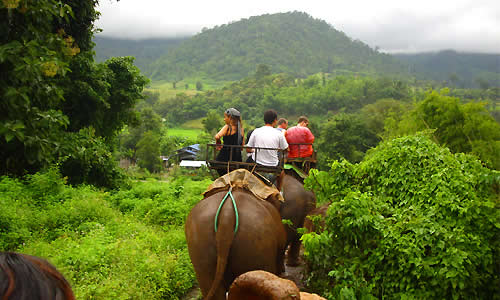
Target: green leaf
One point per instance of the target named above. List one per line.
(9, 136)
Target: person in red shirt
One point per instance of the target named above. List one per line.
(297, 135)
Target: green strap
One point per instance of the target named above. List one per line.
(234, 206)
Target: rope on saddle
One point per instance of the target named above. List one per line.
(234, 206)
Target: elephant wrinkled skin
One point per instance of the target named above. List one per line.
(219, 257)
(298, 203)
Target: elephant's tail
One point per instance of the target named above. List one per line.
(223, 239)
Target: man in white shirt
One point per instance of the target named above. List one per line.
(267, 137)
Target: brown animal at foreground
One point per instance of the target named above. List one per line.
(262, 285)
(298, 203)
(24, 277)
(311, 224)
(219, 257)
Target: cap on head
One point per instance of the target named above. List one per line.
(233, 112)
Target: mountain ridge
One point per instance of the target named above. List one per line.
(293, 43)
(297, 44)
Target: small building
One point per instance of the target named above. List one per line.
(192, 163)
(183, 154)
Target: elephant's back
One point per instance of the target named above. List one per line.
(260, 238)
(259, 229)
(253, 214)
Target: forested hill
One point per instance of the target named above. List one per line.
(292, 42)
(457, 69)
(144, 51)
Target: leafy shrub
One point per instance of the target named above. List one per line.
(14, 214)
(89, 160)
(122, 260)
(161, 203)
(126, 244)
(44, 187)
(416, 222)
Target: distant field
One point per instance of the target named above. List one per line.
(193, 124)
(166, 89)
(184, 132)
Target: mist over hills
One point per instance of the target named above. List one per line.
(294, 43)
(458, 69)
(144, 51)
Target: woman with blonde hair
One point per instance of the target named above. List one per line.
(231, 134)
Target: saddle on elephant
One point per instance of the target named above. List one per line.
(244, 179)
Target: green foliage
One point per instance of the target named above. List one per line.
(213, 122)
(53, 92)
(376, 114)
(86, 158)
(467, 128)
(345, 136)
(412, 220)
(128, 244)
(148, 152)
(252, 96)
(199, 85)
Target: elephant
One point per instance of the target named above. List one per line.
(318, 215)
(219, 257)
(298, 203)
(264, 285)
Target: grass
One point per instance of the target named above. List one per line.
(193, 124)
(184, 132)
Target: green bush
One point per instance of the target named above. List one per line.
(126, 244)
(412, 220)
(15, 215)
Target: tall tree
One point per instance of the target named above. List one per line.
(52, 90)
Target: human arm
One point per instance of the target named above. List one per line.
(309, 136)
(219, 136)
(251, 143)
(283, 143)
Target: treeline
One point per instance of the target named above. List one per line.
(350, 115)
(315, 95)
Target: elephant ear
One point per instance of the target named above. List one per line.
(275, 201)
(262, 285)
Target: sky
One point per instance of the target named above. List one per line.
(393, 26)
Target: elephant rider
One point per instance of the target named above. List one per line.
(297, 135)
(282, 125)
(267, 137)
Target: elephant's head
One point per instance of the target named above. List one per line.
(262, 285)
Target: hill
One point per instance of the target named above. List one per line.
(458, 69)
(292, 42)
(144, 51)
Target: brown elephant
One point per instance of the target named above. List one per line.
(258, 285)
(298, 203)
(219, 257)
(315, 220)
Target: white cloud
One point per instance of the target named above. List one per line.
(425, 25)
